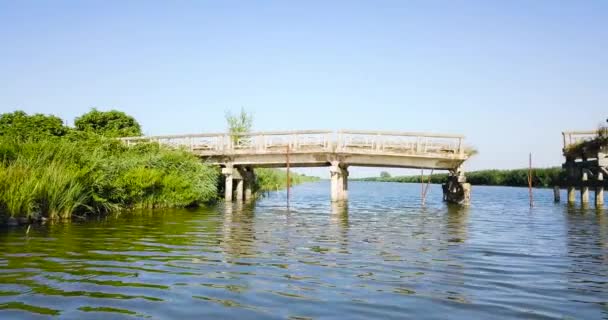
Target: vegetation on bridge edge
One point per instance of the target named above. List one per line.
(588, 146)
(50, 171)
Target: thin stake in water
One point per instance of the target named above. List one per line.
(530, 182)
(288, 175)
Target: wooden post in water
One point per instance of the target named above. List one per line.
(288, 175)
(556, 195)
(530, 182)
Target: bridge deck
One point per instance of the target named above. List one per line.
(320, 148)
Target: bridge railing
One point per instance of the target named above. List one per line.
(257, 142)
(312, 141)
(280, 141)
(399, 142)
(207, 141)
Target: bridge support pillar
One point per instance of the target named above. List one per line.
(571, 194)
(585, 189)
(249, 180)
(240, 174)
(339, 182)
(599, 191)
(571, 182)
(227, 172)
(240, 188)
(456, 189)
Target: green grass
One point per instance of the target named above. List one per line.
(57, 177)
(90, 175)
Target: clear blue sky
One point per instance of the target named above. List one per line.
(510, 75)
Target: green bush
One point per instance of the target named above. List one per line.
(22, 126)
(111, 123)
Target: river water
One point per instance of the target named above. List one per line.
(381, 257)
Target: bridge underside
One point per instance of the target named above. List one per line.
(239, 167)
(323, 159)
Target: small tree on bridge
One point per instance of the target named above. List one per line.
(239, 124)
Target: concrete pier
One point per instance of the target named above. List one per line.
(239, 183)
(227, 172)
(456, 189)
(339, 181)
(249, 179)
(571, 194)
(556, 194)
(344, 182)
(466, 187)
(599, 191)
(585, 189)
(239, 190)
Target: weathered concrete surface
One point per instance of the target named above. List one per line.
(586, 165)
(322, 159)
(228, 174)
(339, 181)
(584, 189)
(599, 191)
(456, 190)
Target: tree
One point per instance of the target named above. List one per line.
(385, 175)
(22, 126)
(111, 123)
(239, 124)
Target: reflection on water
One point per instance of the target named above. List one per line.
(587, 275)
(379, 256)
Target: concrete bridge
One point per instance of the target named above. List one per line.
(240, 154)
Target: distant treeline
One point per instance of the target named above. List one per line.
(273, 179)
(542, 177)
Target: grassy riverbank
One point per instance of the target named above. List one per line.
(543, 177)
(58, 177)
(48, 170)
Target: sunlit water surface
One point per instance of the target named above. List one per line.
(382, 257)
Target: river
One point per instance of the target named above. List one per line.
(381, 257)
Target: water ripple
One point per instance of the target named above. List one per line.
(382, 256)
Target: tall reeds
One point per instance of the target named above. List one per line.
(56, 177)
